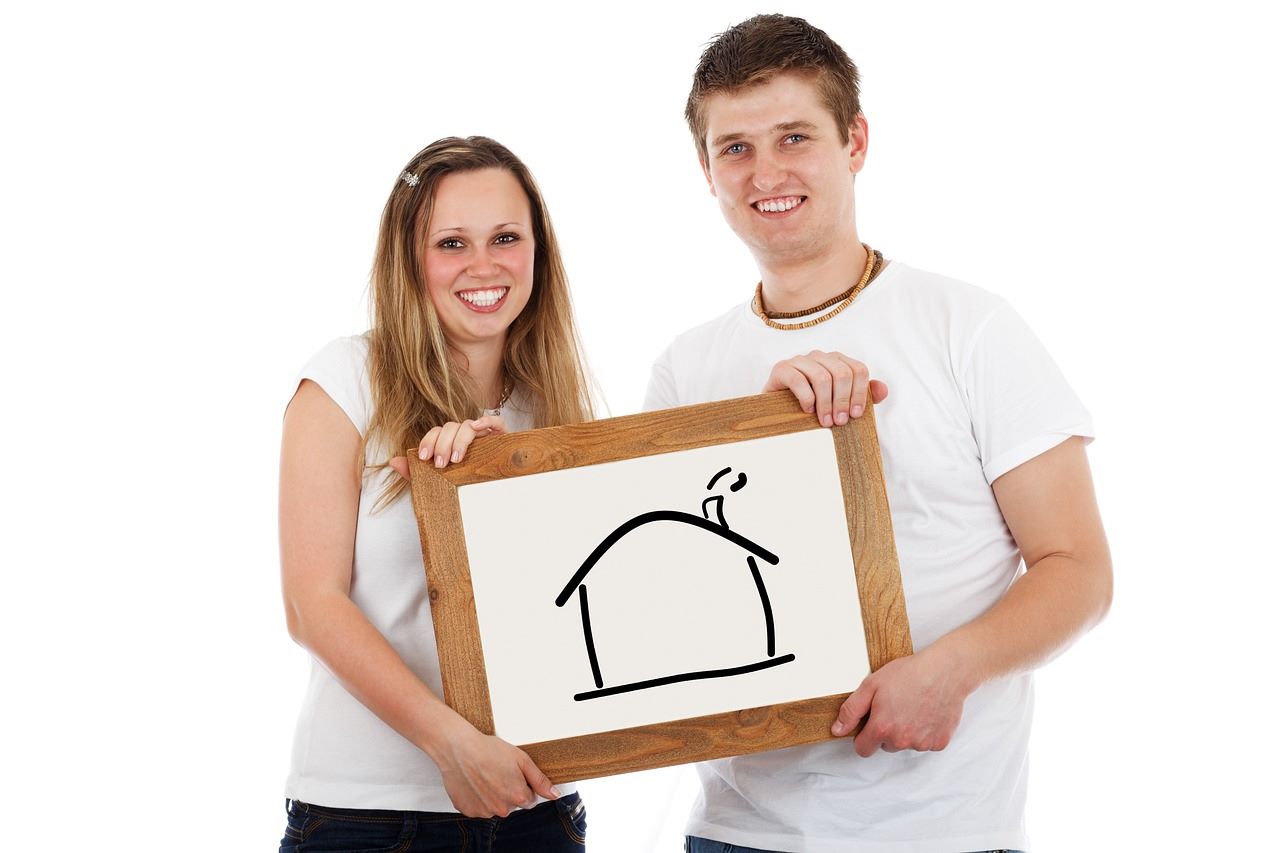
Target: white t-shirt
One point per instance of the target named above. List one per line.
(972, 394)
(343, 755)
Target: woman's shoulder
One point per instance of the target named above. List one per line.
(341, 369)
(352, 350)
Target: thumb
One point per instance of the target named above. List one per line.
(401, 464)
(536, 779)
(857, 706)
(878, 391)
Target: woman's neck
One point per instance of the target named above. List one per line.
(483, 364)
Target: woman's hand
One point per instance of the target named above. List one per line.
(487, 777)
(448, 444)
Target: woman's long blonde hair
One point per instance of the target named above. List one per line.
(415, 379)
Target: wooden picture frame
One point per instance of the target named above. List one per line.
(453, 608)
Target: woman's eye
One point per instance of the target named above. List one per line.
(450, 243)
(506, 238)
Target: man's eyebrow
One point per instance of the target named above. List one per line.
(781, 127)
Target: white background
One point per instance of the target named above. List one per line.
(190, 195)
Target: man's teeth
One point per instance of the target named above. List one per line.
(483, 298)
(778, 205)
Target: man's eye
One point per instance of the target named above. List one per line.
(450, 243)
(793, 138)
(735, 148)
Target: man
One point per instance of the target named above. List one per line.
(983, 446)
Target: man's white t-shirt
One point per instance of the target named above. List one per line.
(972, 394)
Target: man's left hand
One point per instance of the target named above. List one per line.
(913, 702)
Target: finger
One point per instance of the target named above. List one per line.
(869, 739)
(462, 440)
(537, 780)
(857, 706)
(444, 444)
(489, 425)
(820, 380)
(842, 372)
(401, 465)
(861, 378)
(879, 391)
(427, 446)
(786, 376)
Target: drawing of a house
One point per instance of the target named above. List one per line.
(674, 597)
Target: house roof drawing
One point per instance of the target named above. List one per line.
(712, 521)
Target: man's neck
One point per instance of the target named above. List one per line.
(804, 283)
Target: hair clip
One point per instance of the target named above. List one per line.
(409, 178)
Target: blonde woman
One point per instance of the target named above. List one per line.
(472, 334)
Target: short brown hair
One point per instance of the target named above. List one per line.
(755, 51)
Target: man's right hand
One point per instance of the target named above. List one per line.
(831, 384)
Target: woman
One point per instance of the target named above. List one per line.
(472, 333)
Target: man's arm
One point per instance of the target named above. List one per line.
(1049, 505)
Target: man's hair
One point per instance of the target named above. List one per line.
(757, 50)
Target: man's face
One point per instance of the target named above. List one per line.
(778, 167)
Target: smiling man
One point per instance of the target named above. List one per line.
(984, 460)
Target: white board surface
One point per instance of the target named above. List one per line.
(672, 596)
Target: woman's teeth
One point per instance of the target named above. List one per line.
(483, 298)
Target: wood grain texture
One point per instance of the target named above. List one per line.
(453, 604)
(875, 555)
(666, 431)
(739, 732)
(695, 739)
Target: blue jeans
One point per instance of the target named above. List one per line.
(693, 844)
(557, 827)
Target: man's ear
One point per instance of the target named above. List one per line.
(858, 139)
(706, 173)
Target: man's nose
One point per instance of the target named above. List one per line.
(769, 173)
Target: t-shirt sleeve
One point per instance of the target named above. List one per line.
(661, 393)
(1020, 403)
(340, 369)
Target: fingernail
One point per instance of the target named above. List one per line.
(555, 792)
(440, 461)
(422, 454)
(826, 420)
(457, 454)
(841, 418)
(857, 411)
(838, 729)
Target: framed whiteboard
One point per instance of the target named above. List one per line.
(661, 588)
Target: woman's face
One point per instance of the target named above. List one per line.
(478, 263)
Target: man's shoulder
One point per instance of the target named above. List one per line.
(918, 284)
(711, 329)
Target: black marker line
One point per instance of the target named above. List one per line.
(718, 475)
(764, 600)
(687, 676)
(659, 515)
(738, 483)
(586, 632)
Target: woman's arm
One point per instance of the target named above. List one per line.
(319, 501)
